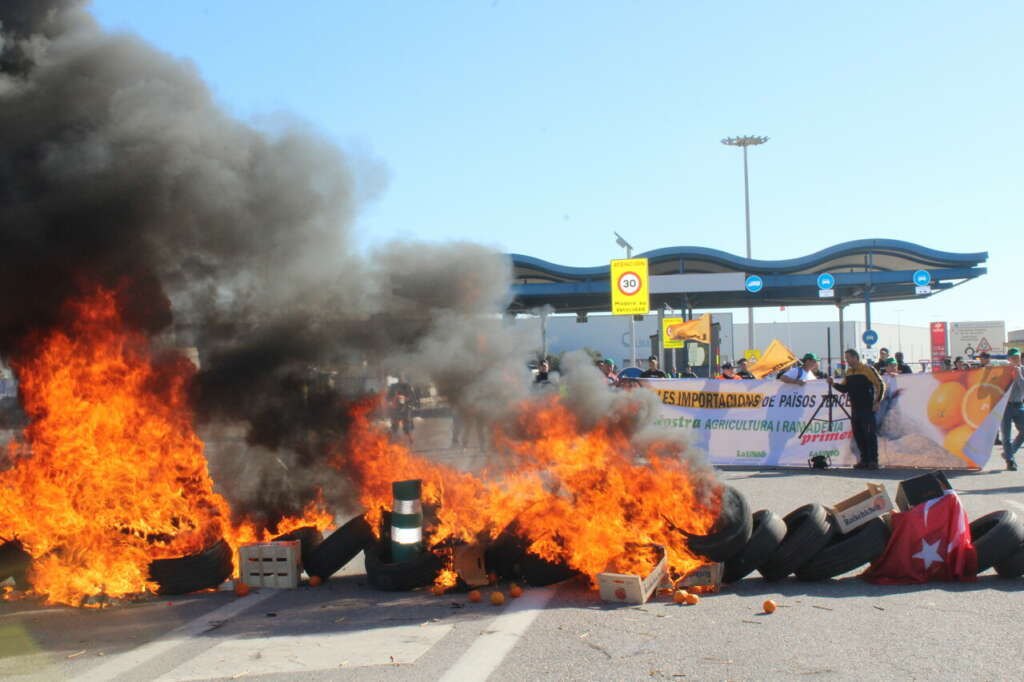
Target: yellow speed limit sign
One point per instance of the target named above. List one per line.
(630, 294)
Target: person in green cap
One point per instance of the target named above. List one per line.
(800, 374)
(607, 367)
(1014, 413)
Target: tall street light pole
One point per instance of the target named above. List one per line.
(744, 142)
(632, 320)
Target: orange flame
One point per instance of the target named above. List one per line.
(110, 473)
(578, 496)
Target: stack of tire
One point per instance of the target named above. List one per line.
(999, 539)
(805, 542)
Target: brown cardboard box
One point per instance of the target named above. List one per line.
(708, 577)
(855, 511)
(632, 589)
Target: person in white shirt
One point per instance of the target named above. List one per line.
(800, 374)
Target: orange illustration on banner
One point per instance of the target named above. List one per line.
(694, 330)
(776, 357)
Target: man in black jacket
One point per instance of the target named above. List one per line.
(865, 389)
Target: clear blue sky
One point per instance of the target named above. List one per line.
(541, 127)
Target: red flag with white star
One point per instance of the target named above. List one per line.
(932, 541)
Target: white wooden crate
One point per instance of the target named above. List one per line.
(270, 564)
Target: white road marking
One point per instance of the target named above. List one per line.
(489, 650)
(1016, 504)
(318, 652)
(128, 661)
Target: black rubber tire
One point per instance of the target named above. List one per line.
(768, 530)
(996, 536)
(195, 572)
(309, 539)
(14, 563)
(340, 547)
(730, 533)
(507, 557)
(847, 552)
(402, 576)
(1013, 565)
(808, 530)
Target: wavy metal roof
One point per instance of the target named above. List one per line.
(879, 269)
(884, 255)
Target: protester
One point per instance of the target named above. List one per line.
(741, 369)
(984, 358)
(686, 373)
(1014, 414)
(803, 372)
(904, 368)
(607, 367)
(891, 392)
(883, 355)
(402, 398)
(542, 372)
(947, 364)
(652, 371)
(958, 363)
(728, 372)
(866, 390)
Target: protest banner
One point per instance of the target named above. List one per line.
(944, 420)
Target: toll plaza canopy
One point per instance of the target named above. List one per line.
(864, 271)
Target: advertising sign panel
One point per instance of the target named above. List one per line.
(940, 343)
(970, 338)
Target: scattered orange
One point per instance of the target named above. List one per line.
(515, 591)
(474, 595)
(979, 401)
(768, 606)
(692, 599)
(315, 580)
(497, 598)
(945, 405)
(679, 596)
(957, 439)
(241, 589)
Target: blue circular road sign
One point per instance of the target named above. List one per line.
(754, 284)
(826, 281)
(870, 337)
(922, 278)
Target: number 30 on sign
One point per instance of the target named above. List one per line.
(630, 294)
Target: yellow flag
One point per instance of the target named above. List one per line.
(775, 359)
(694, 330)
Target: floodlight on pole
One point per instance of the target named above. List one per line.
(744, 142)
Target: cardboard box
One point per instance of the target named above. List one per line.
(708, 577)
(918, 489)
(270, 564)
(468, 562)
(632, 589)
(855, 511)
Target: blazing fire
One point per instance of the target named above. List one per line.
(110, 474)
(578, 495)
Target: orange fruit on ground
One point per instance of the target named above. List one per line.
(768, 606)
(692, 599)
(979, 401)
(474, 595)
(679, 596)
(315, 581)
(945, 405)
(957, 438)
(497, 598)
(241, 589)
(515, 591)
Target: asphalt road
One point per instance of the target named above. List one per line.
(840, 629)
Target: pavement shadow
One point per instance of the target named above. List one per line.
(854, 586)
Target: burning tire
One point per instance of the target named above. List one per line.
(768, 530)
(339, 548)
(309, 539)
(997, 537)
(192, 573)
(509, 559)
(405, 575)
(847, 552)
(808, 530)
(14, 563)
(730, 533)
